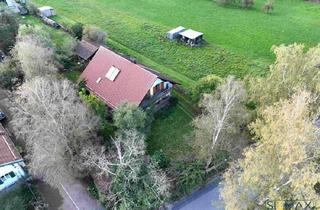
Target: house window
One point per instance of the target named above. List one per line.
(98, 80)
(158, 88)
(112, 73)
(12, 174)
(161, 86)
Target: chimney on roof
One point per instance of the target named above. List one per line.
(133, 60)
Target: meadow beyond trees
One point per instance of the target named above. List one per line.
(238, 40)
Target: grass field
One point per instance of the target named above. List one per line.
(239, 41)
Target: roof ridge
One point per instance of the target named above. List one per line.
(136, 64)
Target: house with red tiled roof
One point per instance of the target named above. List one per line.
(11, 163)
(117, 80)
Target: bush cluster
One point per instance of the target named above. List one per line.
(238, 3)
(206, 84)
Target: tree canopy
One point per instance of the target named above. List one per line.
(34, 50)
(55, 125)
(8, 29)
(283, 165)
(294, 69)
(137, 182)
(220, 123)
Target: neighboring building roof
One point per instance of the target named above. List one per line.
(191, 34)
(8, 152)
(86, 50)
(130, 82)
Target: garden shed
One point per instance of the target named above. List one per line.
(86, 50)
(191, 37)
(46, 11)
(174, 33)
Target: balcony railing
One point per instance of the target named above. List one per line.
(156, 98)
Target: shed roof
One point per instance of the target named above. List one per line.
(131, 84)
(8, 152)
(86, 50)
(176, 30)
(191, 34)
(45, 8)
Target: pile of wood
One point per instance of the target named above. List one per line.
(50, 22)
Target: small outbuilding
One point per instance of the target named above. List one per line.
(191, 37)
(174, 33)
(86, 50)
(46, 11)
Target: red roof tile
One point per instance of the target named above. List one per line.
(8, 152)
(131, 84)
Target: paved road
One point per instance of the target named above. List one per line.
(76, 197)
(208, 198)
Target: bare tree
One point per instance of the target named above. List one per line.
(131, 172)
(284, 164)
(128, 154)
(55, 126)
(224, 113)
(35, 59)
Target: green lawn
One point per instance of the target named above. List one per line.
(72, 75)
(58, 37)
(239, 40)
(17, 198)
(170, 132)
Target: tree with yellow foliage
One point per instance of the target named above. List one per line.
(283, 164)
(294, 69)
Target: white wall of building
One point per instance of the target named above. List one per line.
(167, 85)
(6, 173)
